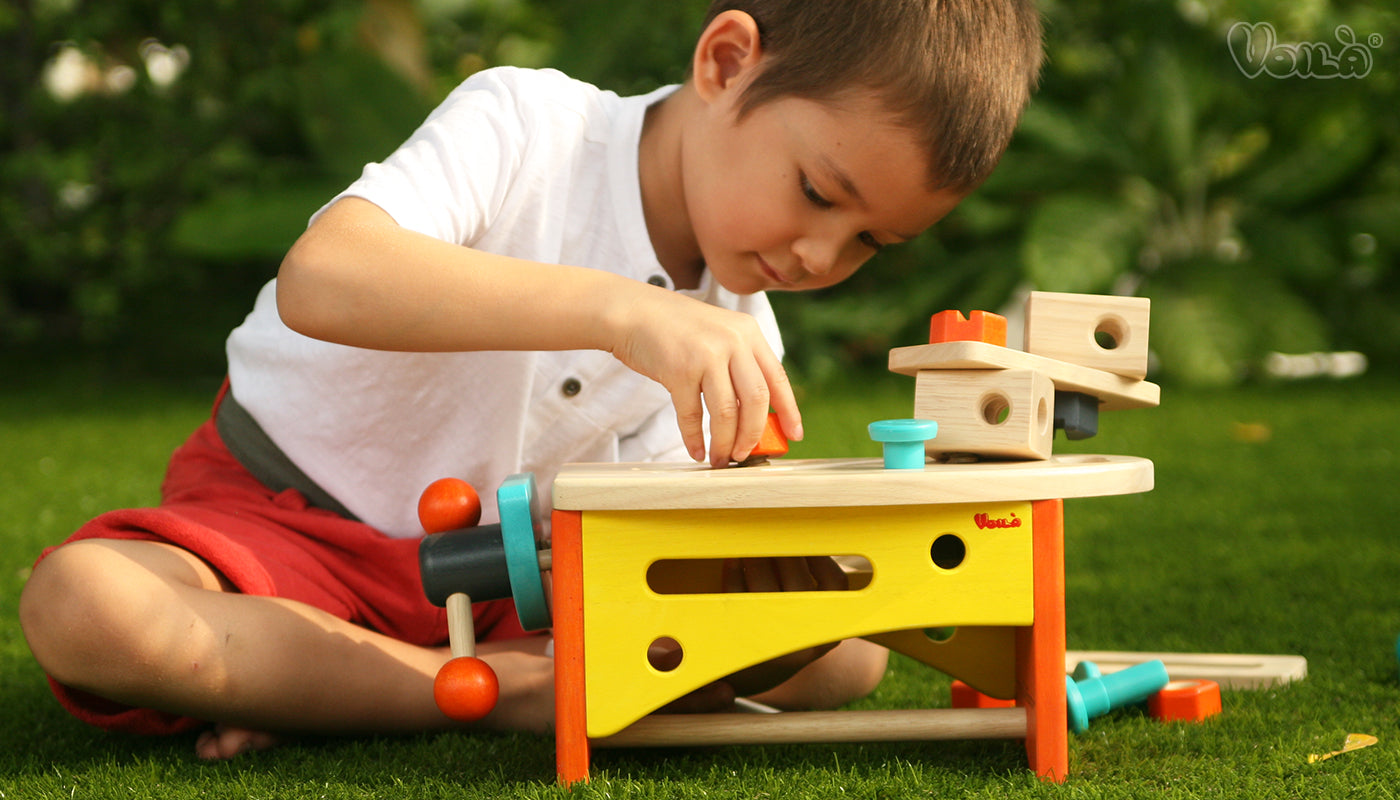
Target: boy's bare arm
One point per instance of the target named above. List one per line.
(356, 277)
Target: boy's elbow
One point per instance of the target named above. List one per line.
(292, 295)
(302, 300)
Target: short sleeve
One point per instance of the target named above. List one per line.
(450, 178)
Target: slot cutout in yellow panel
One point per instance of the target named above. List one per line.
(679, 576)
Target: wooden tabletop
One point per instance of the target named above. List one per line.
(789, 483)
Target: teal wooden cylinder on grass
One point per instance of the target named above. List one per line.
(1094, 696)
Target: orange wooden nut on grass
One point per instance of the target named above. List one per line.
(1187, 701)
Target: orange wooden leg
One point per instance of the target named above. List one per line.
(1040, 649)
(570, 711)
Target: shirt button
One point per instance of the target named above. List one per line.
(571, 387)
(657, 280)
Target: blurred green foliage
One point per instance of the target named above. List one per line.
(159, 158)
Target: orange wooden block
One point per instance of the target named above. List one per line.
(979, 326)
(964, 696)
(772, 442)
(1189, 701)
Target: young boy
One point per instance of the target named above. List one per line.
(544, 273)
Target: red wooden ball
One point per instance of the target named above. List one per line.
(466, 689)
(448, 504)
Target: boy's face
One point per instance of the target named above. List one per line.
(800, 193)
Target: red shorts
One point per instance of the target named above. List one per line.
(276, 545)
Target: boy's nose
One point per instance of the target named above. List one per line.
(816, 256)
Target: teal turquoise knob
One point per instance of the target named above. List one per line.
(1093, 697)
(1086, 670)
(903, 440)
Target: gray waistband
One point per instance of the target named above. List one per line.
(258, 454)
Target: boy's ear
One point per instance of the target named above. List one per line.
(726, 54)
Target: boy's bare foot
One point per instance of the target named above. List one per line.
(224, 741)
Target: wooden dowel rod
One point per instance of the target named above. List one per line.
(672, 730)
(461, 633)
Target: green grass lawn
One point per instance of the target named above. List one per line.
(1274, 528)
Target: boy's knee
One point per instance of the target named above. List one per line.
(81, 612)
(863, 664)
(849, 672)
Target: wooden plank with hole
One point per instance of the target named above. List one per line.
(1230, 670)
(1113, 391)
(1100, 331)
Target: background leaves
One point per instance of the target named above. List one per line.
(139, 213)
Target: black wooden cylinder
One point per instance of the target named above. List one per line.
(470, 560)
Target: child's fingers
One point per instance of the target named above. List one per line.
(723, 406)
(787, 574)
(794, 575)
(760, 575)
(751, 391)
(781, 397)
(690, 418)
(732, 575)
(827, 574)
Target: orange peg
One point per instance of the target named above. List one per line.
(772, 442)
(980, 326)
(1188, 701)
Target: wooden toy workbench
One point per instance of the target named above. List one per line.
(954, 545)
(974, 547)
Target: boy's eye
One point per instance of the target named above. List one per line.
(811, 193)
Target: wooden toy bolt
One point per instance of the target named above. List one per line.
(903, 440)
(979, 326)
(466, 688)
(460, 561)
(1185, 701)
(772, 443)
(1095, 694)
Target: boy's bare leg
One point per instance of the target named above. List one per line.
(848, 672)
(152, 625)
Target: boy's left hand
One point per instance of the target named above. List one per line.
(800, 574)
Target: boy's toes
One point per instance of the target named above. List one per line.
(224, 742)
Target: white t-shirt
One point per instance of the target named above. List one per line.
(524, 163)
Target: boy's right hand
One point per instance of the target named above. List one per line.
(708, 358)
(357, 278)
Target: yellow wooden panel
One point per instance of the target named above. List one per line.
(980, 656)
(722, 633)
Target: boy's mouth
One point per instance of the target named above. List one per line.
(772, 274)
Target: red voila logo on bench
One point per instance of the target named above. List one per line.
(985, 521)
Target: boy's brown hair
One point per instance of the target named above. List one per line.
(956, 72)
